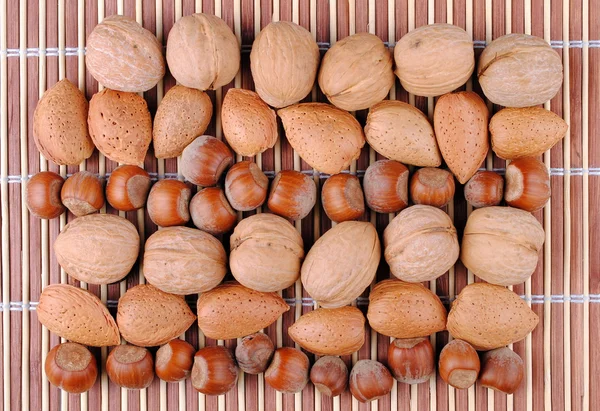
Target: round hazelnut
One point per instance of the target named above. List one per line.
(71, 367)
(288, 372)
(246, 186)
(484, 189)
(211, 212)
(43, 195)
(174, 361)
(329, 375)
(527, 184)
(82, 193)
(214, 371)
(502, 370)
(386, 186)
(343, 198)
(168, 203)
(204, 160)
(432, 186)
(459, 364)
(293, 194)
(254, 352)
(127, 188)
(370, 380)
(411, 360)
(130, 366)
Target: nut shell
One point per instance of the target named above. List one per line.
(246, 186)
(168, 203)
(343, 198)
(386, 186)
(204, 160)
(459, 364)
(411, 361)
(43, 195)
(288, 372)
(329, 375)
(432, 186)
(211, 212)
(527, 184)
(293, 194)
(484, 189)
(71, 367)
(254, 352)
(370, 380)
(127, 188)
(174, 360)
(130, 367)
(214, 371)
(502, 370)
(82, 193)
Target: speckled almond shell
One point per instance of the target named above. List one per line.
(183, 260)
(342, 263)
(403, 133)
(120, 125)
(461, 128)
(122, 55)
(284, 62)
(249, 124)
(434, 59)
(405, 310)
(519, 70)
(231, 310)
(330, 331)
(98, 248)
(420, 244)
(501, 245)
(327, 138)
(266, 252)
(60, 129)
(489, 316)
(183, 114)
(148, 317)
(77, 315)
(356, 72)
(525, 132)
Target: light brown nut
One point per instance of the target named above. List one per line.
(461, 128)
(120, 125)
(98, 248)
(420, 244)
(77, 315)
(349, 253)
(249, 124)
(525, 132)
(122, 55)
(266, 253)
(60, 129)
(327, 138)
(405, 310)
(489, 316)
(148, 317)
(231, 310)
(519, 70)
(284, 61)
(183, 260)
(356, 72)
(434, 59)
(403, 133)
(183, 114)
(501, 245)
(330, 331)
(203, 52)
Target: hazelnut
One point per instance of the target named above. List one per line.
(432, 186)
(502, 370)
(214, 371)
(168, 203)
(370, 380)
(484, 189)
(254, 353)
(343, 198)
(204, 160)
(130, 366)
(527, 184)
(459, 364)
(246, 186)
(211, 212)
(288, 372)
(43, 195)
(293, 194)
(329, 375)
(386, 186)
(127, 188)
(411, 360)
(71, 367)
(174, 360)
(82, 193)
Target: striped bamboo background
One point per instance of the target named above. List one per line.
(42, 41)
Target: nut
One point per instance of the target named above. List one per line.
(211, 212)
(502, 370)
(71, 367)
(254, 352)
(288, 372)
(43, 195)
(174, 361)
(293, 195)
(370, 380)
(484, 189)
(386, 186)
(246, 186)
(411, 360)
(459, 364)
(204, 160)
(214, 371)
(343, 198)
(527, 184)
(432, 186)
(130, 367)
(127, 188)
(168, 203)
(82, 193)
(329, 375)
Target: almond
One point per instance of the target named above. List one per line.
(489, 316)
(231, 310)
(77, 315)
(461, 128)
(330, 331)
(149, 317)
(525, 132)
(405, 310)
(60, 128)
(183, 114)
(327, 138)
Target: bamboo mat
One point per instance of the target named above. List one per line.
(42, 41)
